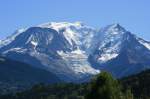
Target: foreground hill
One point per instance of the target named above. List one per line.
(140, 84)
(103, 86)
(16, 76)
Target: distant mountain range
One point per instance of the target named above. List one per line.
(74, 52)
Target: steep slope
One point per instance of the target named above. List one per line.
(120, 52)
(77, 34)
(11, 38)
(16, 76)
(62, 51)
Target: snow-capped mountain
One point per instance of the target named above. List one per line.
(77, 34)
(109, 42)
(120, 52)
(74, 51)
(11, 38)
(59, 47)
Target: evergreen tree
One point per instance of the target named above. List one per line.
(128, 94)
(104, 87)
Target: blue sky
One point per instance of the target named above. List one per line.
(134, 15)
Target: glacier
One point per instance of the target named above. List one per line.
(75, 52)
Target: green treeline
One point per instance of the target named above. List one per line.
(103, 86)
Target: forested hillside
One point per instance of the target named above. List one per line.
(103, 86)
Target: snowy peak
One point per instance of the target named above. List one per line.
(77, 33)
(116, 25)
(114, 29)
(111, 40)
(70, 35)
(61, 25)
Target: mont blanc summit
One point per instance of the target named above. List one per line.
(75, 51)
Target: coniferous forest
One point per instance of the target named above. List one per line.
(102, 86)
